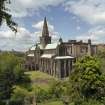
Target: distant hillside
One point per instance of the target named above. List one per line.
(16, 53)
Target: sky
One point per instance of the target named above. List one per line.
(69, 19)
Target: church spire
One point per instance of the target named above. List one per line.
(45, 31)
(45, 38)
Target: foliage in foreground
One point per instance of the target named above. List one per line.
(86, 85)
(4, 15)
(87, 82)
(52, 103)
(101, 56)
(11, 73)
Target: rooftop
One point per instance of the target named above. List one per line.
(47, 55)
(30, 55)
(52, 46)
(34, 47)
(64, 57)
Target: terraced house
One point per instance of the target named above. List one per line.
(56, 59)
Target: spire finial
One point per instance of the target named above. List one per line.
(45, 18)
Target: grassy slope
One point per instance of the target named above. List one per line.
(40, 79)
(43, 80)
(52, 103)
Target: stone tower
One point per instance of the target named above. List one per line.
(45, 38)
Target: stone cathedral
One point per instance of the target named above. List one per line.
(57, 58)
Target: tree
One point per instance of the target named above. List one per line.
(20, 96)
(58, 89)
(4, 15)
(11, 74)
(101, 56)
(87, 81)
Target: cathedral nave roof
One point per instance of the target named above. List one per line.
(47, 55)
(52, 46)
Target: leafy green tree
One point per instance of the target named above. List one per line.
(91, 102)
(40, 94)
(20, 96)
(4, 15)
(101, 56)
(58, 89)
(11, 73)
(87, 80)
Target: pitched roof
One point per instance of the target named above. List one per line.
(47, 55)
(40, 46)
(64, 57)
(34, 47)
(30, 55)
(52, 46)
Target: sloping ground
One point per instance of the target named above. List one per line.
(52, 103)
(40, 79)
(43, 80)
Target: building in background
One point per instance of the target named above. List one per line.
(57, 58)
(100, 47)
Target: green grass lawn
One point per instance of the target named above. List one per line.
(40, 79)
(52, 103)
(38, 75)
(43, 80)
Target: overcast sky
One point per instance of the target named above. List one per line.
(69, 19)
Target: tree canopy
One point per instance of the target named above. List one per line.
(87, 81)
(4, 15)
(11, 73)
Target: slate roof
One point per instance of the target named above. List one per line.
(41, 47)
(30, 55)
(64, 57)
(34, 47)
(52, 46)
(47, 55)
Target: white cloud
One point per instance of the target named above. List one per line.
(21, 8)
(20, 41)
(97, 35)
(39, 25)
(23, 39)
(78, 28)
(92, 11)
